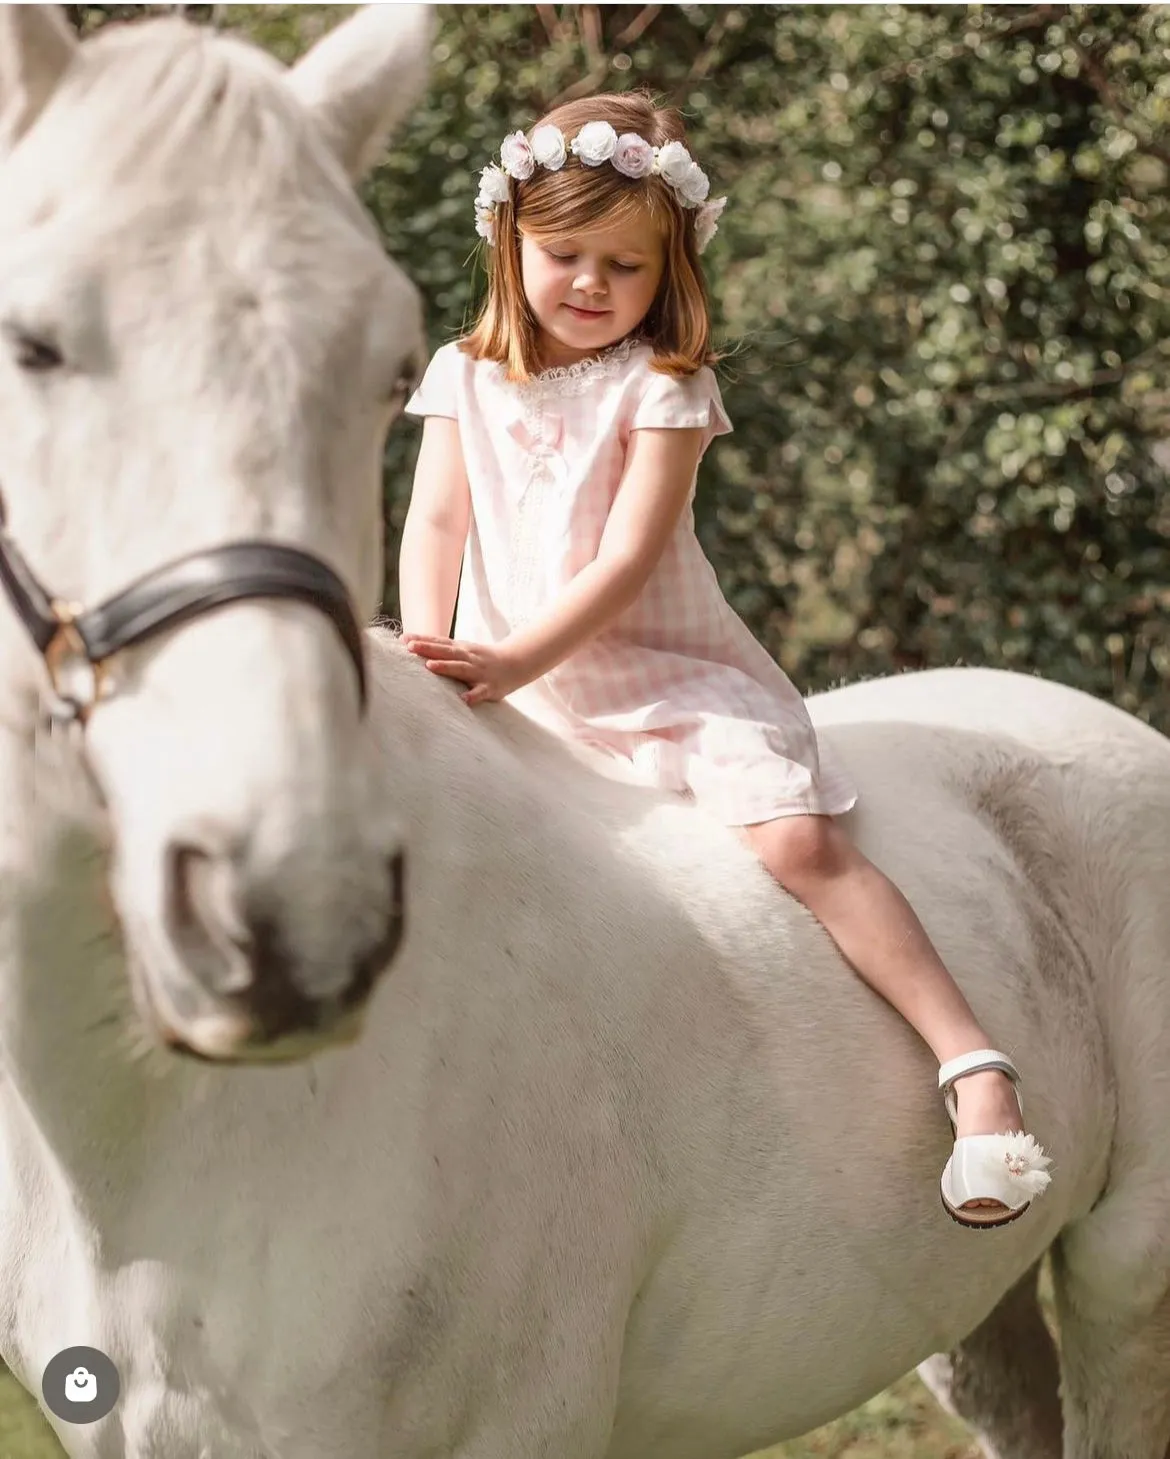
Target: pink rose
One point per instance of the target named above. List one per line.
(707, 221)
(633, 157)
(516, 156)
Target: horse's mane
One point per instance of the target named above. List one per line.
(165, 97)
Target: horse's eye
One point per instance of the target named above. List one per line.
(36, 354)
(406, 384)
(413, 368)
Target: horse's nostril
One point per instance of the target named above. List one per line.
(204, 914)
(371, 962)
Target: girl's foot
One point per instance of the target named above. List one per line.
(987, 1105)
(995, 1169)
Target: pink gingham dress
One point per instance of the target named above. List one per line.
(677, 685)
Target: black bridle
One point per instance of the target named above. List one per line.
(69, 636)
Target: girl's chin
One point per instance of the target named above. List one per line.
(567, 341)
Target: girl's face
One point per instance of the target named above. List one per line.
(589, 290)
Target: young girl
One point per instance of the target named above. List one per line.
(561, 442)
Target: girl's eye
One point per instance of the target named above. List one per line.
(621, 268)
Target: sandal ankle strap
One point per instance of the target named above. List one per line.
(974, 1063)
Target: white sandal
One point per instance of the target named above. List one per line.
(1010, 1169)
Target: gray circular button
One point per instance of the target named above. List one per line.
(80, 1385)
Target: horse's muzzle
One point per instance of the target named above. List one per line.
(247, 991)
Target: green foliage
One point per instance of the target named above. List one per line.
(942, 288)
(950, 392)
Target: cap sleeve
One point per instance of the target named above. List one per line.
(673, 402)
(436, 393)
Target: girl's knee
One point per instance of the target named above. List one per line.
(802, 851)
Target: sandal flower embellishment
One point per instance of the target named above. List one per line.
(1025, 1161)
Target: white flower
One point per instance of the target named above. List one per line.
(673, 162)
(595, 143)
(493, 190)
(548, 147)
(706, 221)
(632, 156)
(516, 155)
(1027, 1163)
(493, 185)
(693, 188)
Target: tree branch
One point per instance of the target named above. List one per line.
(590, 21)
(1050, 389)
(706, 57)
(1101, 84)
(637, 27)
(600, 60)
(555, 28)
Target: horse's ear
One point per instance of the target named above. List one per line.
(363, 77)
(36, 46)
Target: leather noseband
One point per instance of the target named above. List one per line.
(67, 635)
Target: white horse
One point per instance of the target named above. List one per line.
(625, 1164)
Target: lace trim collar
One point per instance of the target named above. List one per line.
(573, 379)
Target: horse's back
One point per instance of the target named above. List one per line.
(1047, 717)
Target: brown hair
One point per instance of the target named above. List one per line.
(576, 198)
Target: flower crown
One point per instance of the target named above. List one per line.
(595, 144)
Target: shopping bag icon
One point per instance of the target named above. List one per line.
(80, 1386)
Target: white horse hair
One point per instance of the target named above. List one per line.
(626, 1163)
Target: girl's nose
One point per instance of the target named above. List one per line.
(588, 283)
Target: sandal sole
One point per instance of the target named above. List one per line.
(985, 1225)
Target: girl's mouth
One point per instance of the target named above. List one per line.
(586, 313)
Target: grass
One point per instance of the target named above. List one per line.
(902, 1423)
(23, 1432)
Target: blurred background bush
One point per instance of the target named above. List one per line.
(942, 286)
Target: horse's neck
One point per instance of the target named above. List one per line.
(69, 1081)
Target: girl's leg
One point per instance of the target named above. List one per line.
(880, 935)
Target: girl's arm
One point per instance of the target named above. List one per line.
(654, 489)
(435, 532)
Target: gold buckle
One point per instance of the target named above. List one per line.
(78, 681)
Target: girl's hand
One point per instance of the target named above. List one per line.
(490, 671)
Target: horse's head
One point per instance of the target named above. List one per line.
(202, 345)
